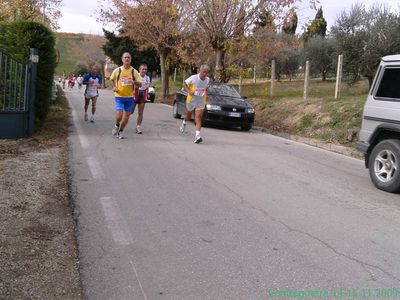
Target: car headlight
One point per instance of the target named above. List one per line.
(250, 110)
(213, 107)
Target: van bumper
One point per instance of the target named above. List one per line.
(362, 147)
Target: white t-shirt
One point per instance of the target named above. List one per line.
(200, 86)
(91, 89)
(145, 82)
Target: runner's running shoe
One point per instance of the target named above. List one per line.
(119, 135)
(138, 131)
(115, 130)
(182, 128)
(92, 119)
(198, 139)
(86, 117)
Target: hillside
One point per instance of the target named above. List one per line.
(66, 44)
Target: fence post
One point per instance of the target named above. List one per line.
(33, 61)
(175, 75)
(339, 77)
(254, 74)
(240, 82)
(273, 71)
(306, 80)
(183, 79)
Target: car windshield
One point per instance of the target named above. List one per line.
(223, 90)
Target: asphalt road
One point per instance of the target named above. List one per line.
(245, 215)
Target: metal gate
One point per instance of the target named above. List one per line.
(17, 95)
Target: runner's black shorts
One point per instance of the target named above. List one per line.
(140, 98)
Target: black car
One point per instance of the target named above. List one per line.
(224, 107)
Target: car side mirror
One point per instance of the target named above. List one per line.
(244, 97)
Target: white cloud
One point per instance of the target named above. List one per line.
(79, 23)
(333, 8)
(81, 16)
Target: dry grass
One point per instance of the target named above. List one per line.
(320, 116)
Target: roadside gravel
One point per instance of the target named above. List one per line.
(38, 252)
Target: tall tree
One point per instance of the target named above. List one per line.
(264, 20)
(46, 11)
(220, 20)
(363, 36)
(290, 23)
(116, 45)
(320, 51)
(155, 24)
(317, 27)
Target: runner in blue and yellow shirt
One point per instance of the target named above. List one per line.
(123, 80)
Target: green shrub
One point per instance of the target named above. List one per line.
(16, 39)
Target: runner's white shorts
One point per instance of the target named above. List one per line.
(196, 103)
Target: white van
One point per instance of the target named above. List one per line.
(379, 138)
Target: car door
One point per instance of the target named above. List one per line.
(181, 101)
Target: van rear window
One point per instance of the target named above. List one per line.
(389, 86)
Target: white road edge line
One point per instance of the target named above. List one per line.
(115, 222)
(82, 137)
(95, 169)
(137, 278)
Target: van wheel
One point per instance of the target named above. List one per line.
(175, 111)
(384, 165)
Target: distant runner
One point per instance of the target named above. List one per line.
(196, 87)
(79, 80)
(141, 96)
(93, 81)
(123, 80)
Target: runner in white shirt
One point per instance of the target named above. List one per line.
(141, 96)
(79, 81)
(93, 82)
(196, 87)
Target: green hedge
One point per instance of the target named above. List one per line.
(16, 39)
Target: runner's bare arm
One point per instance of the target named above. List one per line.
(114, 85)
(187, 88)
(137, 80)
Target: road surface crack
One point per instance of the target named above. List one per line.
(363, 264)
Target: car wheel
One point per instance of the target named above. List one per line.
(247, 127)
(384, 165)
(175, 111)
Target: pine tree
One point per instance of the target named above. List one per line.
(290, 24)
(317, 27)
(265, 20)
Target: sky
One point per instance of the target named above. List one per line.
(80, 16)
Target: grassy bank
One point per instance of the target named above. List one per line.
(65, 45)
(320, 116)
